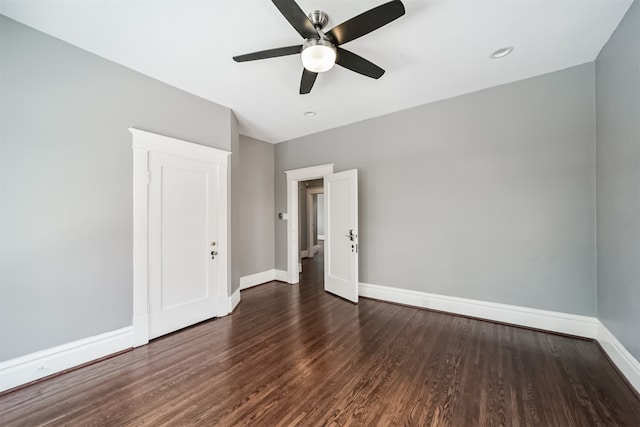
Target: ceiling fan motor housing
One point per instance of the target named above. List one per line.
(319, 19)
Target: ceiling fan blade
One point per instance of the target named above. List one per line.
(358, 64)
(269, 53)
(308, 79)
(296, 17)
(366, 22)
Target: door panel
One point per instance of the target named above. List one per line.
(341, 234)
(184, 231)
(182, 226)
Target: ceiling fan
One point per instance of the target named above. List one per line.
(320, 50)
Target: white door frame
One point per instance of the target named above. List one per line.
(310, 212)
(293, 245)
(143, 143)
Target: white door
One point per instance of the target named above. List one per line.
(183, 242)
(341, 234)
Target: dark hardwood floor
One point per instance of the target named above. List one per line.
(294, 355)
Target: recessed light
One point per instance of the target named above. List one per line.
(502, 52)
(309, 113)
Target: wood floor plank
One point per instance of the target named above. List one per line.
(295, 355)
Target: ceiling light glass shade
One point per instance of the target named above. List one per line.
(318, 56)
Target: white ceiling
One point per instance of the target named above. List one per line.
(438, 50)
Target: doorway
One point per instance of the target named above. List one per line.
(341, 246)
(294, 177)
(311, 217)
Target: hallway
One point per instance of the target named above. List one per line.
(313, 268)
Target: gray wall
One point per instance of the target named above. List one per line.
(66, 176)
(618, 181)
(256, 207)
(487, 196)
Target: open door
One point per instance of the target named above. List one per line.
(341, 234)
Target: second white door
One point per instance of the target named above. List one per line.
(341, 234)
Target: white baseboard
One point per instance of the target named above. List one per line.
(257, 279)
(234, 300)
(320, 236)
(572, 324)
(625, 362)
(314, 250)
(281, 275)
(141, 330)
(31, 367)
(262, 277)
(299, 267)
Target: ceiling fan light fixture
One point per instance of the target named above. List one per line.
(319, 55)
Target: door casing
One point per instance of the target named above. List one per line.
(293, 245)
